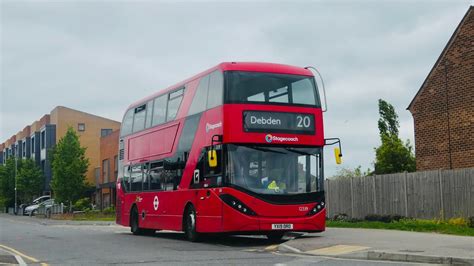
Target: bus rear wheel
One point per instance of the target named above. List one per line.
(135, 227)
(190, 224)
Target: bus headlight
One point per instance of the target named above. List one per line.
(237, 204)
(317, 208)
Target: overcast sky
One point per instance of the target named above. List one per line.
(100, 56)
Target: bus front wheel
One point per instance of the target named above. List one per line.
(190, 224)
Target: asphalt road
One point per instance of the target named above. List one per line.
(39, 243)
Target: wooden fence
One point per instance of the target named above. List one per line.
(427, 195)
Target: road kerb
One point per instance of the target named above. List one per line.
(405, 257)
(384, 256)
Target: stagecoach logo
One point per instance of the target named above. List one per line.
(213, 126)
(271, 138)
(268, 138)
(156, 203)
(138, 199)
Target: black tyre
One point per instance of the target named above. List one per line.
(275, 237)
(134, 227)
(190, 224)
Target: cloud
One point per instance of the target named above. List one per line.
(99, 57)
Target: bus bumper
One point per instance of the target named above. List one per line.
(234, 221)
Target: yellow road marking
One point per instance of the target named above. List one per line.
(337, 250)
(22, 254)
(272, 247)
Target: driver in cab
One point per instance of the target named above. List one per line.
(274, 181)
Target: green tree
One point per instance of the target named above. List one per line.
(7, 182)
(29, 181)
(69, 167)
(348, 173)
(393, 155)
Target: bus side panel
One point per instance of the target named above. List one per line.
(151, 209)
(177, 200)
(209, 211)
(152, 143)
(129, 200)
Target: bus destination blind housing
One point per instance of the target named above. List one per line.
(278, 122)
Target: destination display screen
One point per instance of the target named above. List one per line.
(278, 122)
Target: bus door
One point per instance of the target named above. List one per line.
(208, 180)
(123, 201)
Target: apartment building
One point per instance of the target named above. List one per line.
(36, 139)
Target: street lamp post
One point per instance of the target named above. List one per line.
(16, 170)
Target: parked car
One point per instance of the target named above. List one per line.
(31, 209)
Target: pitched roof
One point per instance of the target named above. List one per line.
(443, 53)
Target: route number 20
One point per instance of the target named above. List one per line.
(303, 121)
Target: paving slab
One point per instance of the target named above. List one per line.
(374, 244)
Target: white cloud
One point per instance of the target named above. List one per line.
(101, 56)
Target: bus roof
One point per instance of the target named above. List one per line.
(233, 66)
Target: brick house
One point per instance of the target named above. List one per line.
(443, 108)
(106, 192)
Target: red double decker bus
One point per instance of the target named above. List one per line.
(235, 149)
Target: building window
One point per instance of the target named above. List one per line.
(43, 139)
(23, 149)
(105, 170)
(32, 144)
(105, 132)
(115, 167)
(81, 127)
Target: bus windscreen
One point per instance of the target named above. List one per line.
(270, 88)
(275, 170)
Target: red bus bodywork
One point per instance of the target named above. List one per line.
(213, 215)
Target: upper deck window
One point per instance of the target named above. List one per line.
(257, 87)
(139, 118)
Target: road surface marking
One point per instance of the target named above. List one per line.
(20, 261)
(272, 247)
(337, 250)
(22, 255)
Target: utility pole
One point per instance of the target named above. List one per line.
(16, 170)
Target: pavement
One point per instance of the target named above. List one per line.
(381, 245)
(39, 241)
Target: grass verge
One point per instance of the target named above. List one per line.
(92, 216)
(408, 225)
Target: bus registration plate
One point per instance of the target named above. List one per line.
(282, 226)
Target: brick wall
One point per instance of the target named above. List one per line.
(108, 150)
(443, 110)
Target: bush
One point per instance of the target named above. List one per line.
(82, 204)
(470, 222)
(457, 221)
(109, 210)
(342, 217)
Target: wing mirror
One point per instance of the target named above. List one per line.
(212, 158)
(338, 150)
(338, 155)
